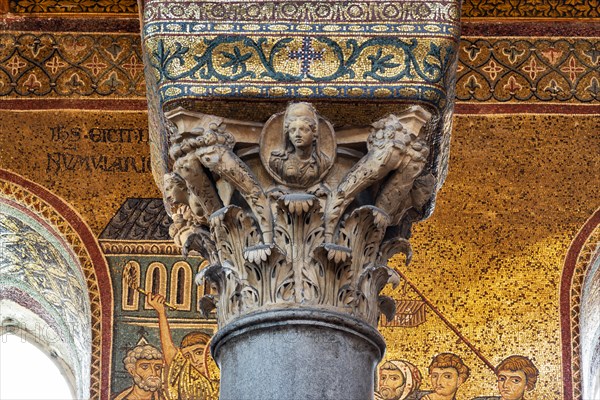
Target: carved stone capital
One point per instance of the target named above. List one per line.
(292, 214)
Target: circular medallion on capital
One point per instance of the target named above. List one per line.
(297, 147)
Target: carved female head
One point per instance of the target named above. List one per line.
(300, 126)
(297, 146)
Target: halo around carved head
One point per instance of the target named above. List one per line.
(282, 159)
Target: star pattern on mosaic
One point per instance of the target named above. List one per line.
(489, 70)
(61, 65)
(508, 70)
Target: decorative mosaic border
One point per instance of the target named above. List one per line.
(490, 70)
(515, 69)
(307, 11)
(59, 216)
(36, 65)
(530, 9)
(116, 247)
(470, 8)
(577, 263)
(74, 6)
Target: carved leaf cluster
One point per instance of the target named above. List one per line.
(287, 247)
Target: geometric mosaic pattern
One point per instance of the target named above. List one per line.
(518, 69)
(70, 65)
(74, 6)
(97, 65)
(530, 9)
(470, 8)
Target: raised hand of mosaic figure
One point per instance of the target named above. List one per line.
(131, 278)
(188, 375)
(186, 371)
(391, 147)
(157, 302)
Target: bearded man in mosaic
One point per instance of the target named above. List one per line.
(398, 380)
(145, 365)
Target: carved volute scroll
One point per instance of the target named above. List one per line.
(288, 217)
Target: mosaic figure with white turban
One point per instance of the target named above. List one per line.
(398, 380)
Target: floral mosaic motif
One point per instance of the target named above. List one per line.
(74, 6)
(523, 70)
(71, 65)
(489, 70)
(233, 58)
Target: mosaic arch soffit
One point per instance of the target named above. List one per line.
(65, 221)
(37, 261)
(470, 9)
(578, 261)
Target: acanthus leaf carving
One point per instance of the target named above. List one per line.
(274, 235)
(387, 307)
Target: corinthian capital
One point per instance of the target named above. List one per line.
(290, 213)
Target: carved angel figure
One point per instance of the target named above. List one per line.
(188, 230)
(390, 148)
(210, 147)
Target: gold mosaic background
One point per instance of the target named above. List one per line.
(491, 256)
